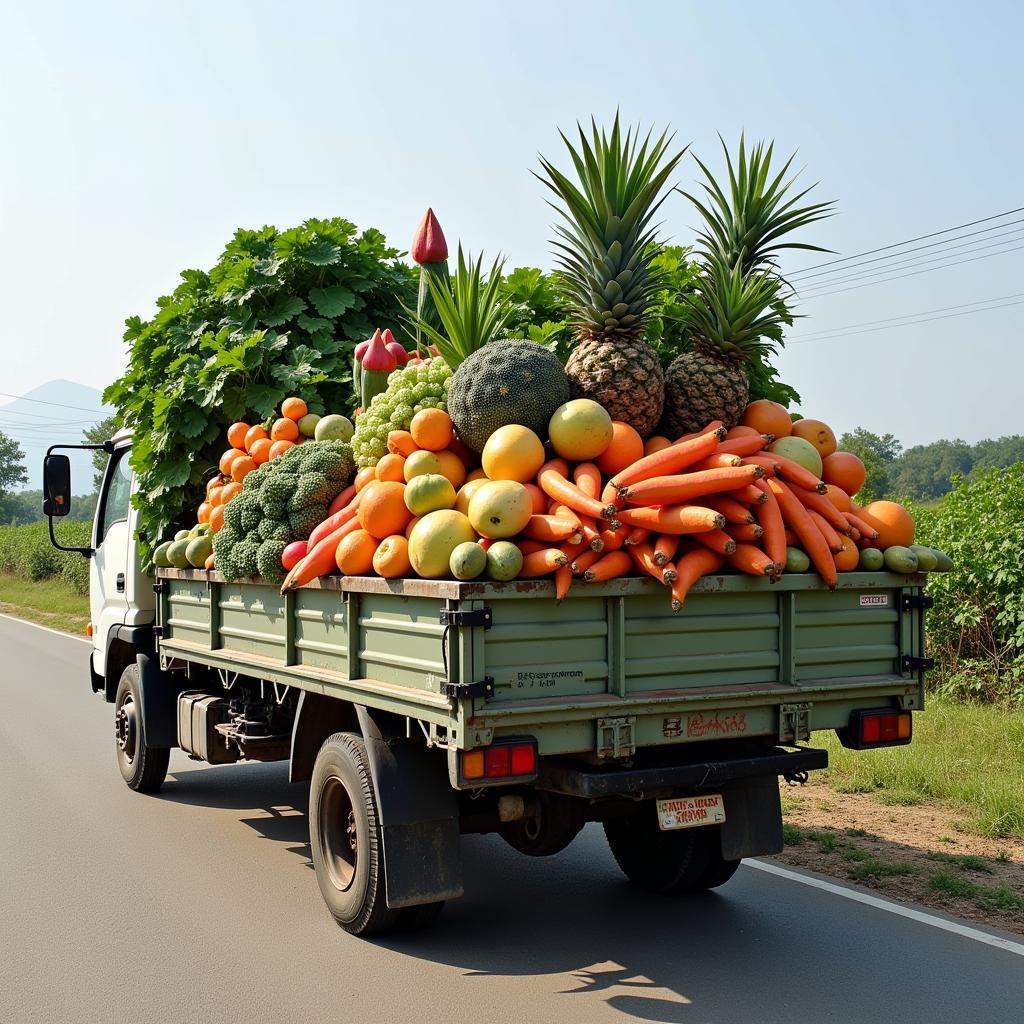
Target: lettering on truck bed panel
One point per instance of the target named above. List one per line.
(700, 724)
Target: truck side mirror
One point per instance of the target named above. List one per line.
(56, 485)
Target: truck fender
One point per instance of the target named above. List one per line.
(753, 818)
(159, 703)
(123, 644)
(418, 811)
(316, 718)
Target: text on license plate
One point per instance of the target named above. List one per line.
(691, 811)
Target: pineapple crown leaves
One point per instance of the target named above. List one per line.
(747, 222)
(606, 248)
(472, 312)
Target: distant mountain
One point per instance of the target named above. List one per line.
(53, 413)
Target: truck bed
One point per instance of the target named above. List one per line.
(608, 670)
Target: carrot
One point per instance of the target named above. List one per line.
(320, 560)
(592, 535)
(733, 510)
(528, 547)
(558, 509)
(769, 518)
(637, 535)
(749, 494)
(713, 425)
(555, 485)
(543, 562)
(665, 548)
(342, 500)
(795, 516)
(673, 519)
(766, 462)
(824, 507)
(615, 563)
(333, 521)
(670, 460)
(791, 538)
(745, 533)
(583, 562)
(563, 581)
(553, 529)
(753, 560)
(831, 537)
(716, 540)
(744, 446)
(866, 529)
(610, 495)
(587, 478)
(854, 534)
(643, 558)
(664, 490)
(793, 473)
(612, 540)
(719, 460)
(689, 569)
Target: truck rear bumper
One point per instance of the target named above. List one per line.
(592, 782)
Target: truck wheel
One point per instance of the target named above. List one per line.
(143, 767)
(688, 860)
(345, 837)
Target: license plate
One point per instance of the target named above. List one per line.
(691, 811)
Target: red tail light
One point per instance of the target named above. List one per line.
(885, 727)
(509, 761)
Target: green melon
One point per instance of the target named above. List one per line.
(506, 381)
(900, 559)
(160, 559)
(871, 560)
(797, 560)
(176, 553)
(926, 558)
(199, 550)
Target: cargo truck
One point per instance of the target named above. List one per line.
(421, 710)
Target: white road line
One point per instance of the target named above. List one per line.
(46, 629)
(888, 905)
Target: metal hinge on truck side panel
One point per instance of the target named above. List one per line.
(483, 688)
(616, 737)
(470, 617)
(795, 722)
(920, 600)
(913, 663)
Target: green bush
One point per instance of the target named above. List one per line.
(26, 552)
(976, 629)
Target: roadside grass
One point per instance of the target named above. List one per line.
(964, 755)
(988, 897)
(49, 602)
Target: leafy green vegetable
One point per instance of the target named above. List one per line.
(278, 315)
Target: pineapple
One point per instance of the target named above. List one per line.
(605, 252)
(735, 319)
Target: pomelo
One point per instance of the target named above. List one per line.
(504, 560)
(466, 492)
(434, 538)
(500, 508)
(333, 428)
(420, 463)
(818, 433)
(468, 561)
(512, 452)
(580, 430)
(428, 493)
(798, 450)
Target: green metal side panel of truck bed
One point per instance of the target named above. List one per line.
(722, 667)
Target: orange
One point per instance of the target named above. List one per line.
(839, 498)
(894, 523)
(382, 509)
(401, 443)
(355, 553)
(464, 452)
(227, 458)
(236, 434)
(539, 499)
(411, 526)
(214, 495)
(767, 417)
(214, 481)
(278, 448)
(655, 444)
(844, 470)
(476, 474)
(253, 434)
(849, 558)
(390, 467)
(228, 491)
(365, 476)
(203, 513)
(452, 467)
(216, 518)
(242, 467)
(391, 559)
(818, 433)
(626, 447)
(294, 409)
(431, 429)
(284, 430)
(260, 450)
(741, 432)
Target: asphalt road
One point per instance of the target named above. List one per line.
(200, 905)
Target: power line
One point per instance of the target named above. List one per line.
(39, 401)
(908, 241)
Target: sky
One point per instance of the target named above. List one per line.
(137, 138)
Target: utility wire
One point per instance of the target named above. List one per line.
(39, 401)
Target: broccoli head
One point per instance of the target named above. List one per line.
(268, 560)
(274, 529)
(304, 521)
(245, 555)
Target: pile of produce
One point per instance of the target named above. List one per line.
(480, 455)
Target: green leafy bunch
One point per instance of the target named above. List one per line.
(282, 501)
(279, 314)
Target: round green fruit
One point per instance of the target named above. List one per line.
(429, 493)
(504, 560)
(183, 535)
(160, 559)
(333, 428)
(176, 553)
(199, 550)
(797, 560)
(798, 450)
(943, 562)
(421, 463)
(468, 561)
(900, 559)
(871, 560)
(307, 425)
(926, 559)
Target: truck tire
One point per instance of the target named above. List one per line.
(669, 863)
(143, 767)
(345, 837)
